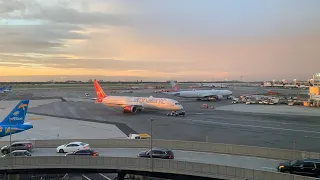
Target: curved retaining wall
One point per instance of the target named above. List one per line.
(142, 164)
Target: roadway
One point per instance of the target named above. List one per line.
(191, 156)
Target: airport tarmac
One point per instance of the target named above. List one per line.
(290, 131)
(68, 114)
(48, 127)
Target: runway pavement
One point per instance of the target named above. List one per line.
(256, 129)
(232, 127)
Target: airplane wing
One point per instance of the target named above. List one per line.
(171, 93)
(211, 96)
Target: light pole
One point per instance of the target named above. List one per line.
(151, 120)
(10, 136)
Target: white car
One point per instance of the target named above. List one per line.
(73, 146)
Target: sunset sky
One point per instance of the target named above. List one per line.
(159, 39)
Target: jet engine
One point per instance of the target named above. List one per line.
(219, 97)
(130, 109)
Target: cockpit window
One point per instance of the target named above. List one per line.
(177, 103)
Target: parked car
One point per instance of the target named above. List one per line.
(162, 153)
(73, 146)
(304, 167)
(24, 145)
(18, 153)
(85, 152)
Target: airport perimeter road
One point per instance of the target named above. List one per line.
(209, 158)
(254, 129)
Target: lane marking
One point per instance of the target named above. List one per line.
(85, 177)
(104, 176)
(266, 121)
(262, 127)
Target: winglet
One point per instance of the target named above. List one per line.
(100, 93)
(18, 114)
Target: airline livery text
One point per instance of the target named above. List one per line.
(149, 100)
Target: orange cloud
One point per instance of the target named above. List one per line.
(40, 71)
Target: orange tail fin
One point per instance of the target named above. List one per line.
(100, 93)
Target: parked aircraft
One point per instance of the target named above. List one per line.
(284, 84)
(174, 88)
(17, 117)
(8, 89)
(212, 85)
(134, 104)
(202, 94)
(273, 84)
(5, 89)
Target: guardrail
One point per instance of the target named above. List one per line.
(141, 164)
(264, 152)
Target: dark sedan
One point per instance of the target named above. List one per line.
(158, 153)
(304, 167)
(86, 152)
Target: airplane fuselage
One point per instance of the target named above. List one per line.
(204, 93)
(145, 102)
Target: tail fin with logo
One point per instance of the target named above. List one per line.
(18, 114)
(100, 93)
(174, 86)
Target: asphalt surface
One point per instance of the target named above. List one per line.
(255, 129)
(232, 127)
(191, 156)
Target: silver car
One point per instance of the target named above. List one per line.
(18, 153)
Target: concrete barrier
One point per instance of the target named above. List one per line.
(264, 152)
(141, 164)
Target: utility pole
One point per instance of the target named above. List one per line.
(151, 120)
(10, 136)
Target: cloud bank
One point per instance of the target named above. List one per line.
(183, 40)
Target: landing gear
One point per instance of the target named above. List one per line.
(174, 113)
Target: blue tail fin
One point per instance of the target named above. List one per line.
(18, 114)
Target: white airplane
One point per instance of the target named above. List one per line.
(201, 94)
(5, 89)
(299, 85)
(134, 104)
(273, 84)
(174, 88)
(212, 85)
